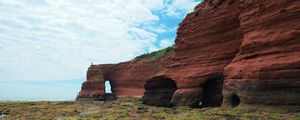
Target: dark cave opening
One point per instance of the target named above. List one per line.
(234, 100)
(159, 91)
(212, 92)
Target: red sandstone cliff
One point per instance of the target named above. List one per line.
(207, 40)
(251, 46)
(266, 69)
(245, 50)
(126, 78)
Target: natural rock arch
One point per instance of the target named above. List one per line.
(159, 91)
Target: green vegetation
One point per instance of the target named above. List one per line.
(129, 108)
(156, 55)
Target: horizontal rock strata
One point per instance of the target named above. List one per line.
(226, 51)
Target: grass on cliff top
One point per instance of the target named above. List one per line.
(131, 109)
(156, 55)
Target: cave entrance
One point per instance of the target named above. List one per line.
(234, 100)
(159, 91)
(212, 92)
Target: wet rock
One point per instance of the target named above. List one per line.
(4, 113)
(142, 109)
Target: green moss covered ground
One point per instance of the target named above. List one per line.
(132, 109)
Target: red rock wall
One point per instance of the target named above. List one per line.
(207, 40)
(126, 79)
(267, 68)
(93, 88)
(255, 41)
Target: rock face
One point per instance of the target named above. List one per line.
(126, 79)
(266, 69)
(249, 48)
(93, 88)
(207, 40)
(226, 51)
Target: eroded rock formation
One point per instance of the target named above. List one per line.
(126, 78)
(207, 40)
(226, 51)
(266, 69)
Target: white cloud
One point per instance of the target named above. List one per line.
(158, 29)
(57, 39)
(179, 7)
(154, 4)
(165, 43)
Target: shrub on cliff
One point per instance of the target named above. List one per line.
(156, 55)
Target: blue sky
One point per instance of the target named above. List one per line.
(46, 46)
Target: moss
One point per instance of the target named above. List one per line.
(128, 109)
(156, 55)
(298, 116)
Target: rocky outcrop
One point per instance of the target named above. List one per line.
(207, 40)
(250, 48)
(226, 51)
(266, 69)
(93, 88)
(126, 78)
